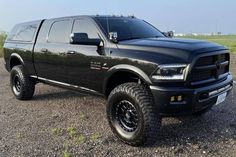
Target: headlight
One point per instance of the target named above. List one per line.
(170, 72)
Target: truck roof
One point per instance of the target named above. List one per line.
(30, 22)
(93, 16)
(76, 16)
(21, 27)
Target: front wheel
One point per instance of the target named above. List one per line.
(22, 85)
(132, 114)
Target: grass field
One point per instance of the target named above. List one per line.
(228, 41)
(2, 39)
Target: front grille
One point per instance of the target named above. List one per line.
(209, 69)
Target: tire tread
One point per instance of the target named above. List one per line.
(28, 85)
(150, 112)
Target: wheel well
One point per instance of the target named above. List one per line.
(14, 61)
(119, 78)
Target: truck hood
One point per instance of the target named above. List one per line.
(182, 49)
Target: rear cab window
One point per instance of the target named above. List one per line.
(25, 32)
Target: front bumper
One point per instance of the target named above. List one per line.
(194, 99)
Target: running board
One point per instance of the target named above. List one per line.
(66, 85)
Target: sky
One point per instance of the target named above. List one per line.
(181, 16)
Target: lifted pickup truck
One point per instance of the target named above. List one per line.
(144, 74)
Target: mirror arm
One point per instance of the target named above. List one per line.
(101, 50)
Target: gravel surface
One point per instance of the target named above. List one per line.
(58, 122)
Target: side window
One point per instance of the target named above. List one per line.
(23, 32)
(13, 32)
(59, 32)
(85, 26)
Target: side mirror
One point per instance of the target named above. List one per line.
(113, 36)
(169, 34)
(82, 39)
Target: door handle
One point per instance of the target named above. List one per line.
(44, 50)
(71, 52)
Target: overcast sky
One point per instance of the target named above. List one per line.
(182, 16)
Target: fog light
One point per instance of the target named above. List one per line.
(172, 99)
(178, 98)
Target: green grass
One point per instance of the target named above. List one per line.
(80, 139)
(95, 137)
(57, 131)
(72, 132)
(19, 136)
(228, 41)
(3, 37)
(66, 154)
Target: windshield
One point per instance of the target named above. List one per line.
(128, 28)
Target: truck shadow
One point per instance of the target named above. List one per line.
(57, 95)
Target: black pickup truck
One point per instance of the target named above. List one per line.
(143, 73)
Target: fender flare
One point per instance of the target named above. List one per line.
(15, 55)
(125, 68)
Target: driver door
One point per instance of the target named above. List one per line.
(83, 63)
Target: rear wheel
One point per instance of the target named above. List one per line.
(132, 115)
(22, 85)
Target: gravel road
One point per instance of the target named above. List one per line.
(58, 122)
